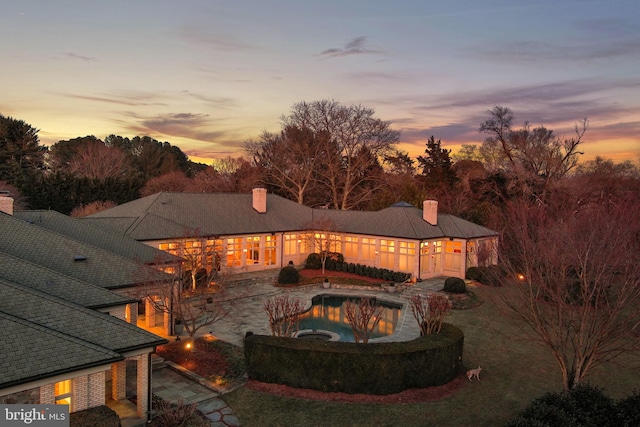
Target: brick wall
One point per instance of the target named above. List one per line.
(119, 380)
(80, 394)
(96, 389)
(47, 395)
(142, 384)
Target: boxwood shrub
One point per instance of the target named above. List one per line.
(455, 285)
(288, 275)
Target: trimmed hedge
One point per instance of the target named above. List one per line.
(374, 368)
(288, 275)
(455, 285)
(335, 262)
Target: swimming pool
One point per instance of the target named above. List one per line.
(327, 313)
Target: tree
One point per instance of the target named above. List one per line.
(175, 181)
(436, 165)
(21, 156)
(533, 154)
(284, 315)
(363, 317)
(290, 160)
(430, 312)
(573, 277)
(323, 239)
(355, 139)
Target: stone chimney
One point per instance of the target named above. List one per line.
(6, 203)
(430, 211)
(260, 200)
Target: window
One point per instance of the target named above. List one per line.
(253, 250)
(270, 244)
(351, 247)
(291, 244)
(213, 249)
(234, 252)
(368, 249)
(387, 254)
(406, 256)
(453, 255)
(171, 247)
(62, 392)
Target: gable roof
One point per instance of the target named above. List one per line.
(167, 215)
(71, 257)
(96, 236)
(53, 283)
(50, 336)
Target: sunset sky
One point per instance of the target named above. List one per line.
(208, 75)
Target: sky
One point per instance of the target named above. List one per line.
(209, 75)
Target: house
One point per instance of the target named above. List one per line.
(249, 232)
(69, 309)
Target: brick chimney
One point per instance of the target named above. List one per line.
(260, 200)
(430, 211)
(6, 203)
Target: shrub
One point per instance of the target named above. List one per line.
(345, 266)
(313, 262)
(96, 416)
(583, 405)
(474, 273)
(455, 285)
(628, 410)
(352, 268)
(288, 275)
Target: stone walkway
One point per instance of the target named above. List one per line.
(173, 386)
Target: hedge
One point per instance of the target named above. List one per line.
(374, 368)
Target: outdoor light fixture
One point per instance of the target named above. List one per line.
(521, 276)
(188, 346)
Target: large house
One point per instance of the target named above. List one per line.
(68, 308)
(249, 232)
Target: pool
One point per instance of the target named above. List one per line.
(327, 313)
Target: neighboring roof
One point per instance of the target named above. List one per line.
(166, 215)
(96, 236)
(71, 257)
(53, 283)
(46, 336)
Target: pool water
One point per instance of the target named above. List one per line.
(327, 313)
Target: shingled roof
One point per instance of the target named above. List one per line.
(167, 215)
(96, 236)
(53, 283)
(71, 257)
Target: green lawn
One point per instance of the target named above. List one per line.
(515, 371)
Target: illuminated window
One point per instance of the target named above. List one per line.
(62, 392)
(453, 255)
(368, 248)
(234, 252)
(171, 247)
(253, 250)
(291, 244)
(213, 249)
(270, 243)
(406, 256)
(387, 254)
(351, 247)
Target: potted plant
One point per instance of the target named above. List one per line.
(178, 327)
(326, 284)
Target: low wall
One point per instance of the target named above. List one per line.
(375, 368)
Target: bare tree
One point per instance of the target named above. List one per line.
(91, 208)
(284, 315)
(290, 160)
(573, 276)
(533, 153)
(357, 141)
(430, 311)
(323, 238)
(363, 317)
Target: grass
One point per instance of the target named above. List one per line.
(514, 372)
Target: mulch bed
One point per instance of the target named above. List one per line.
(204, 362)
(308, 273)
(415, 395)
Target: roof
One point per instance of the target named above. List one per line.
(96, 236)
(175, 215)
(70, 257)
(49, 281)
(51, 336)
(168, 215)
